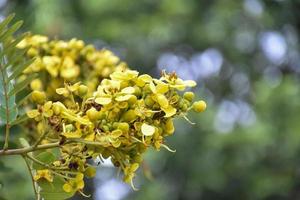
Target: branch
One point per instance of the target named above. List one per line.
(28, 149)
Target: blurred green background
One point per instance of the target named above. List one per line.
(245, 57)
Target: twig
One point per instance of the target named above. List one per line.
(37, 196)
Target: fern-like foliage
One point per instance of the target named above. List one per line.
(12, 64)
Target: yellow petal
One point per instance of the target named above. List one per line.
(124, 98)
(169, 111)
(162, 87)
(146, 78)
(147, 130)
(103, 100)
(190, 83)
(128, 90)
(33, 113)
(62, 91)
(116, 143)
(116, 133)
(74, 87)
(162, 100)
(47, 105)
(152, 87)
(178, 87)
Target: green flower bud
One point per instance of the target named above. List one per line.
(199, 106)
(82, 90)
(56, 109)
(90, 172)
(149, 101)
(93, 114)
(129, 116)
(123, 126)
(169, 127)
(137, 158)
(38, 97)
(189, 96)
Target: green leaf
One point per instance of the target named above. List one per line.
(6, 21)
(53, 190)
(45, 157)
(10, 31)
(10, 47)
(9, 56)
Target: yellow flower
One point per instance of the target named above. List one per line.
(43, 174)
(45, 111)
(52, 64)
(110, 138)
(68, 89)
(74, 184)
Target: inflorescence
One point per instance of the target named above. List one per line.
(97, 108)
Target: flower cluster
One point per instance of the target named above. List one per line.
(94, 107)
(58, 61)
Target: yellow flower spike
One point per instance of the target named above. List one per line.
(199, 106)
(33, 113)
(147, 130)
(43, 174)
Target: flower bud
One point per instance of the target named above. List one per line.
(199, 106)
(38, 97)
(36, 84)
(189, 96)
(129, 116)
(82, 90)
(56, 109)
(93, 114)
(90, 172)
(169, 127)
(123, 126)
